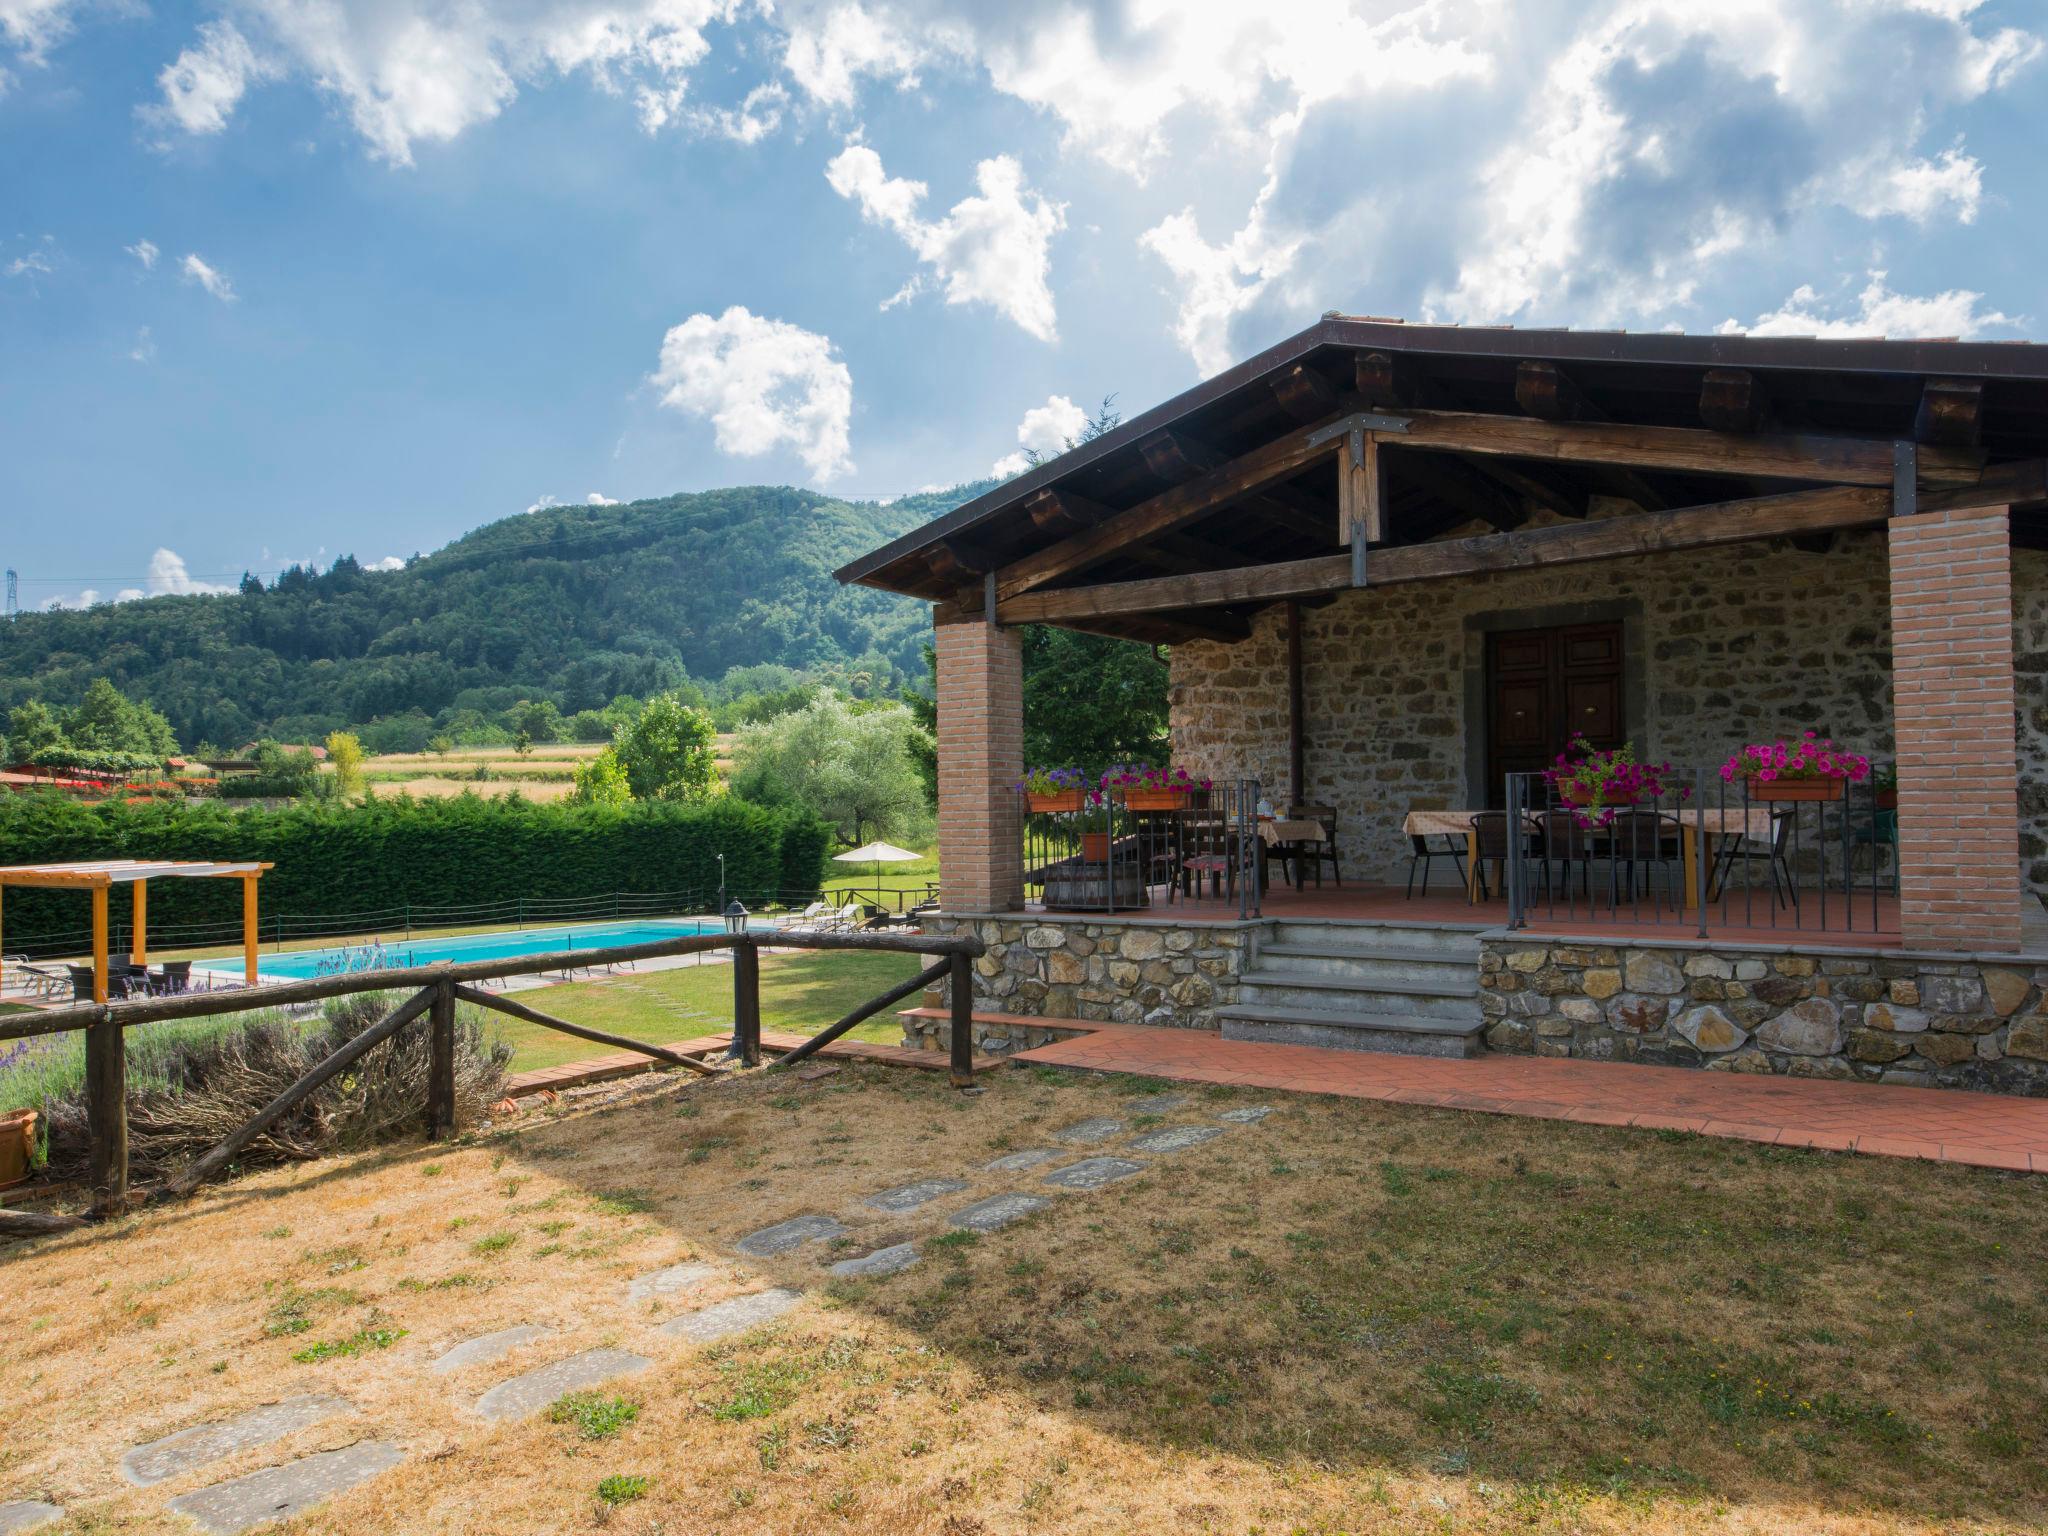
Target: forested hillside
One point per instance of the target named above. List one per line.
(570, 604)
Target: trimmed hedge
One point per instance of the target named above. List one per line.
(333, 860)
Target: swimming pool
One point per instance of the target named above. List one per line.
(299, 964)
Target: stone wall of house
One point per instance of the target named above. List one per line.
(2030, 699)
(1729, 645)
(1118, 971)
(1870, 1016)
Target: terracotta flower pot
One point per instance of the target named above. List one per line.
(17, 1145)
(1095, 847)
(1059, 800)
(1798, 789)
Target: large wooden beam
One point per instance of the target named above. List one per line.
(1284, 456)
(1177, 458)
(1692, 450)
(1545, 390)
(1728, 522)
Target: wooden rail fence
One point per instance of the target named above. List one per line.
(435, 989)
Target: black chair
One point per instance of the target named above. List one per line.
(1641, 839)
(1784, 890)
(1490, 845)
(1562, 840)
(1423, 852)
(175, 977)
(1315, 855)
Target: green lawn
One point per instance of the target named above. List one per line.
(801, 993)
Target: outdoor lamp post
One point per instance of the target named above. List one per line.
(736, 918)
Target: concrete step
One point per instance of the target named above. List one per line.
(1389, 967)
(1456, 998)
(1394, 1033)
(1332, 933)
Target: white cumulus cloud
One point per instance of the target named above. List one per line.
(202, 86)
(828, 57)
(144, 251)
(212, 279)
(168, 577)
(993, 248)
(762, 384)
(408, 72)
(33, 27)
(388, 563)
(1877, 310)
(1045, 431)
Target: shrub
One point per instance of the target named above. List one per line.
(337, 860)
(192, 1084)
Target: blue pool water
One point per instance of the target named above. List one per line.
(301, 963)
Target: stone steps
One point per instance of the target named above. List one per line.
(1412, 989)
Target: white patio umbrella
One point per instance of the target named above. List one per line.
(877, 854)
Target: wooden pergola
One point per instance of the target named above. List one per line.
(101, 876)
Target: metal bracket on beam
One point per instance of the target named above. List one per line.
(1905, 477)
(1357, 447)
(988, 600)
(1358, 421)
(1358, 544)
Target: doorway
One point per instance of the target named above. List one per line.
(1545, 687)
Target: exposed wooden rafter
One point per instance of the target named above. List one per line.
(1177, 458)
(1950, 412)
(1732, 400)
(1791, 514)
(1304, 393)
(1546, 391)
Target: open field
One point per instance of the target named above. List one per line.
(545, 773)
(1349, 1317)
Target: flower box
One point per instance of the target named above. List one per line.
(1062, 800)
(1156, 799)
(1798, 789)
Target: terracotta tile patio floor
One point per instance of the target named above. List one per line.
(1982, 1129)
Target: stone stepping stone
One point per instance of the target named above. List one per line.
(27, 1515)
(669, 1282)
(998, 1211)
(205, 1443)
(1175, 1138)
(1094, 1172)
(1157, 1104)
(787, 1235)
(1017, 1162)
(908, 1197)
(486, 1347)
(524, 1396)
(724, 1319)
(277, 1492)
(1088, 1132)
(883, 1261)
(1251, 1114)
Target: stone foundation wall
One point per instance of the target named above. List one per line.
(1868, 1016)
(1130, 971)
(1724, 646)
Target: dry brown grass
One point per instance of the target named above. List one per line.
(432, 787)
(1352, 1317)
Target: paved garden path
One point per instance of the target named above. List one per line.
(1987, 1130)
(273, 1493)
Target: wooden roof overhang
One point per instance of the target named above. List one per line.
(1248, 489)
(98, 877)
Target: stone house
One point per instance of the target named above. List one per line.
(1404, 566)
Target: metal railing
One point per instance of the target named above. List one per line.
(432, 994)
(1702, 852)
(1127, 850)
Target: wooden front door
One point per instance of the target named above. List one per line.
(1545, 687)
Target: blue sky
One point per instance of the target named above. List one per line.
(282, 280)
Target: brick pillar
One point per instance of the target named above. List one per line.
(981, 757)
(1952, 702)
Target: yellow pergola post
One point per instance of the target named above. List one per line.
(99, 943)
(138, 944)
(249, 929)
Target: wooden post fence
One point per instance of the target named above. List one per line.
(433, 992)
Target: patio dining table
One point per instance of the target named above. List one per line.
(1717, 822)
